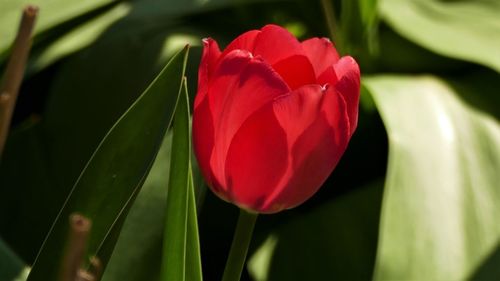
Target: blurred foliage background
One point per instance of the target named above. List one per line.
(415, 197)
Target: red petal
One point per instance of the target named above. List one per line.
(322, 55)
(297, 111)
(280, 49)
(348, 86)
(296, 71)
(245, 41)
(203, 139)
(256, 160)
(203, 135)
(210, 55)
(316, 141)
(275, 43)
(328, 77)
(241, 85)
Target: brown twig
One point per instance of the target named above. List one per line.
(93, 273)
(75, 248)
(9, 88)
(95, 267)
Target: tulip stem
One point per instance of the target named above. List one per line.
(239, 247)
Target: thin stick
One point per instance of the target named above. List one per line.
(75, 249)
(95, 268)
(13, 76)
(93, 273)
(331, 22)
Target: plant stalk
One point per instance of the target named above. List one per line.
(239, 246)
(14, 72)
(79, 230)
(331, 22)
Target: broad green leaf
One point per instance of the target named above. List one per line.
(10, 264)
(116, 171)
(441, 199)
(335, 241)
(466, 30)
(180, 235)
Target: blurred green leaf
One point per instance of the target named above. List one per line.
(10, 264)
(337, 240)
(398, 54)
(66, 38)
(441, 200)
(52, 13)
(116, 171)
(358, 24)
(181, 250)
(466, 30)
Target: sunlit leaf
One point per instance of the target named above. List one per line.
(466, 30)
(441, 199)
(52, 13)
(116, 171)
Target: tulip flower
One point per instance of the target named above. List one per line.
(272, 117)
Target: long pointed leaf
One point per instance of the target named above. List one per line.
(180, 200)
(193, 256)
(116, 171)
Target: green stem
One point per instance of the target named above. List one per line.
(239, 247)
(331, 22)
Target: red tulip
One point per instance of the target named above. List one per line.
(272, 117)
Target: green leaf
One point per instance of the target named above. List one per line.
(10, 264)
(137, 255)
(358, 24)
(337, 240)
(138, 252)
(181, 233)
(441, 199)
(39, 168)
(174, 243)
(193, 255)
(466, 30)
(114, 174)
(66, 38)
(25, 181)
(52, 13)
